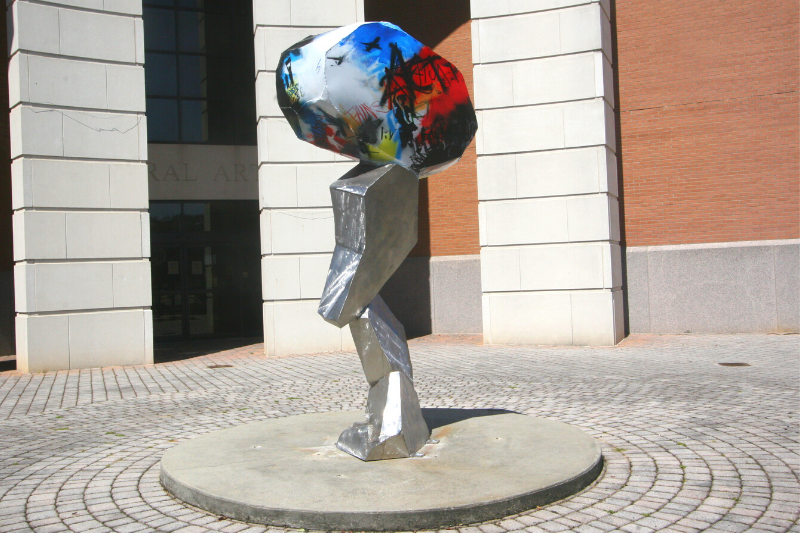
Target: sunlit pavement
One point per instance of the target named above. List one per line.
(690, 445)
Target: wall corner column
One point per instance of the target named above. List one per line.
(551, 269)
(79, 186)
(297, 234)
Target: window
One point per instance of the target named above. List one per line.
(199, 65)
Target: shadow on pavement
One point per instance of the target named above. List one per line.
(166, 352)
(438, 417)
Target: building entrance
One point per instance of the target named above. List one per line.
(206, 269)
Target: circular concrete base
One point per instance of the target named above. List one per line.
(287, 472)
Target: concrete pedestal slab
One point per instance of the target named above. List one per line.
(287, 472)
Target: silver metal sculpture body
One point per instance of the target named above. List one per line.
(375, 216)
(372, 92)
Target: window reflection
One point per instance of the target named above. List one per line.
(161, 79)
(162, 119)
(199, 54)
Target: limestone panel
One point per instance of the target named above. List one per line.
(519, 37)
(64, 82)
(129, 7)
(128, 185)
(72, 184)
(541, 81)
(500, 269)
(302, 231)
(527, 318)
(35, 28)
(97, 36)
(313, 182)
(18, 89)
(295, 327)
(495, 8)
(91, 345)
(100, 135)
(323, 12)
(86, 4)
(272, 13)
(584, 28)
(131, 284)
(521, 129)
(39, 235)
(593, 218)
(73, 286)
(125, 88)
(284, 147)
(104, 235)
(24, 287)
(526, 222)
(728, 289)
(278, 186)
(266, 97)
(588, 123)
(266, 232)
(280, 277)
(42, 343)
(36, 131)
(276, 39)
(313, 272)
(549, 173)
(562, 267)
(597, 318)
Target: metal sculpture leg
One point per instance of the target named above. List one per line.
(375, 214)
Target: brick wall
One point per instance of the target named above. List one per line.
(448, 221)
(708, 99)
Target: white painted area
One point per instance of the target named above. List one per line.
(79, 184)
(297, 231)
(551, 268)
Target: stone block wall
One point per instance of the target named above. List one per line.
(79, 185)
(547, 181)
(297, 234)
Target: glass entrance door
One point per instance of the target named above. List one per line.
(206, 269)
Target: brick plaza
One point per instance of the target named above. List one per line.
(689, 445)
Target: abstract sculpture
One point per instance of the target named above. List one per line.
(375, 94)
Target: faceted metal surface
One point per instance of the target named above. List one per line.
(394, 427)
(375, 216)
(381, 342)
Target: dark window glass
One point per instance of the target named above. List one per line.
(161, 76)
(193, 121)
(193, 76)
(165, 217)
(191, 34)
(159, 29)
(208, 75)
(162, 120)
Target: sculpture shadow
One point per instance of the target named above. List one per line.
(408, 295)
(438, 417)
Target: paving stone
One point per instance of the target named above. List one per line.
(689, 445)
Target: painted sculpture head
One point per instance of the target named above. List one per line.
(374, 93)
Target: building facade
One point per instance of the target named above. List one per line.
(635, 170)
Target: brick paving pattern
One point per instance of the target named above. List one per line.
(689, 445)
